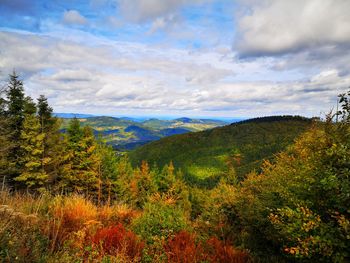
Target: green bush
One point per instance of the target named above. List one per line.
(159, 221)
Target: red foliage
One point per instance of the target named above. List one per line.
(117, 239)
(217, 251)
(183, 249)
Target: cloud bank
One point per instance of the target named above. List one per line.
(274, 27)
(181, 57)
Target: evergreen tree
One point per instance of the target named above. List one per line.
(33, 174)
(75, 133)
(142, 186)
(107, 171)
(5, 143)
(124, 174)
(53, 146)
(29, 106)
(81, 167)
(15, 116)
(165, 180)
(54, 149)
(45, 113)
(3, 102)
(16, 105)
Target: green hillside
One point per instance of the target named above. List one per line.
(208, 154)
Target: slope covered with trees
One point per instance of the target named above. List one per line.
(213, 153)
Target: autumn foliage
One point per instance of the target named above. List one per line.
(116, 239)
(69, 215)
(183, 248)
(218, 251)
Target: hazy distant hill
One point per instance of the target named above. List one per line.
(127, 133)
(205, 154)
(72, 115)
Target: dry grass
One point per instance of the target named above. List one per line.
(26, 203)
(119, 213)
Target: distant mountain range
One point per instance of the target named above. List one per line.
(128, 133)
(145, 118)
(72, 115)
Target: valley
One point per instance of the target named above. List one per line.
(126, 134)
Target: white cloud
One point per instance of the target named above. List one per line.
(162, 23)
(127, 78)
(147, 10)
(143, 10)
(273, 27)
(73, 17)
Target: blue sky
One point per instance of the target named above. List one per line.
(210, 58)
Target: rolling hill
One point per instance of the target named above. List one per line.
(126, 133)
(205, 155)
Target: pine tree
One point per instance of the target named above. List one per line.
(33, 174)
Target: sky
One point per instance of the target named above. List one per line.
(214, 58)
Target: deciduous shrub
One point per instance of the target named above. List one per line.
(217, 251)
(182, 248)
(159, 221)
(117, 240)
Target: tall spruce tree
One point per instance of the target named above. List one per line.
(16, 105)
(45, 113)
(14, 113)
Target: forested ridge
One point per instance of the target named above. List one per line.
(68, 197)
(205, 157)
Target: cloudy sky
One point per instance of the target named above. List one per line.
(214, 58)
